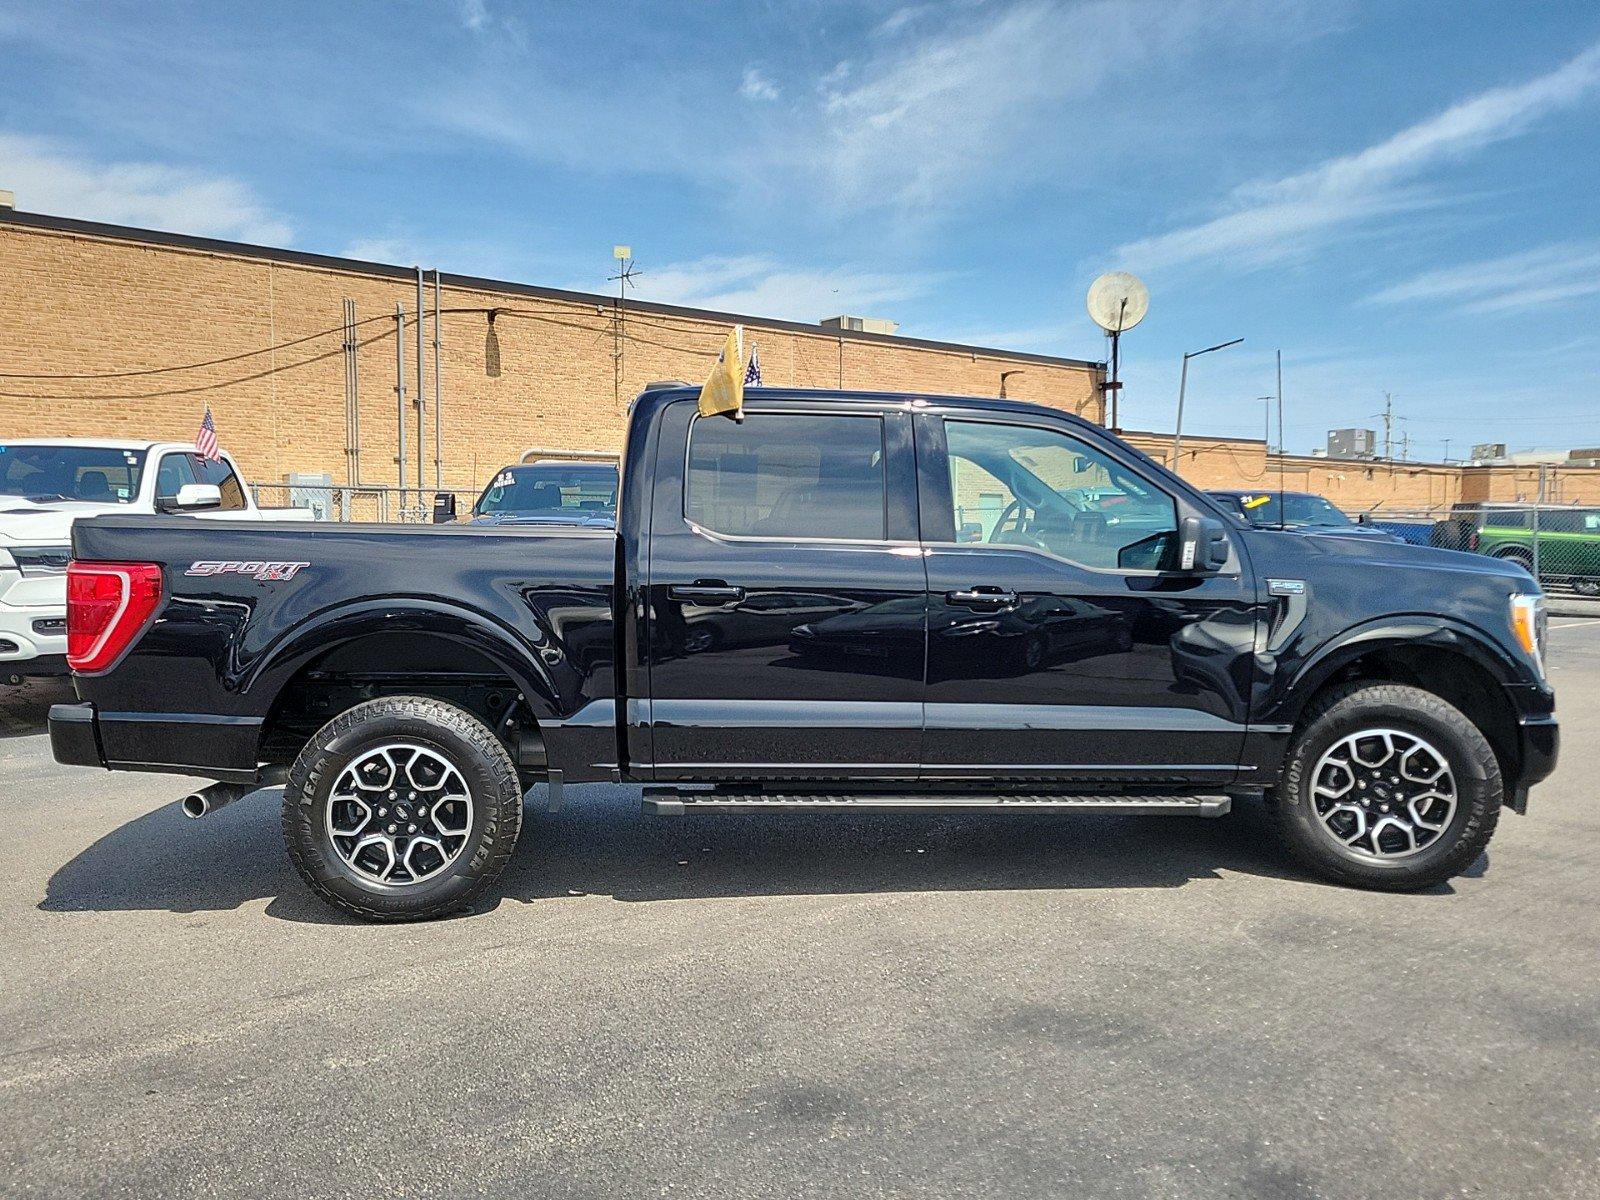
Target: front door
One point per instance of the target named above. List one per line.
(785, 627)
(1060, 643)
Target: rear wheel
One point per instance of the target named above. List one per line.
(401, 808)
(1388, 786)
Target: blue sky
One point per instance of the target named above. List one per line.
(1402, 196)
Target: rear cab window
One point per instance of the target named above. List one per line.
(788, 475)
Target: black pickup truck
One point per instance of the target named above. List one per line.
(843, 601)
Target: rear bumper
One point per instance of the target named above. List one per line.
(74, 738)
(172, 743)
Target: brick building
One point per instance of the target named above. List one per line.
(109, 310)
(521, 366)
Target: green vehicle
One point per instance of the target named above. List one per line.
(1569, 539)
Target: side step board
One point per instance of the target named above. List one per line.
(674, 803)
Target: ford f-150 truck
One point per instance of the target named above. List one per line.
(789, 616)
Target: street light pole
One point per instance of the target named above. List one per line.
(1183, 386)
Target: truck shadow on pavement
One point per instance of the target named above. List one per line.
(601, 844)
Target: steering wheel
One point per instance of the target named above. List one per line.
(1011, 511)
(1020, 536)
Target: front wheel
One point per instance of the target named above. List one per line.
(401, 808)
(1389, 787)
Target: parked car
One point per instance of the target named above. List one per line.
(407, 685)
(550, 492)
(1569, 539)
(1303, 511)
(47, 484)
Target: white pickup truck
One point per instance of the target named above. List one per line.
(47, 483)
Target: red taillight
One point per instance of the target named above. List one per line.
(107, 606)
(1472, 541)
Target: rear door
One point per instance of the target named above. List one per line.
(785, 625)
(1060, 644)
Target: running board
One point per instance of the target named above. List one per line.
(675, 804)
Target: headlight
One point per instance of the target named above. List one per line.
(1528, 624)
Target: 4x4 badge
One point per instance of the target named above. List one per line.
(254, 570)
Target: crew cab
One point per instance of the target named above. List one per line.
(47, 484)
(788, 616)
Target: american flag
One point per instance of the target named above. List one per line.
(752, 375)
(206, 440)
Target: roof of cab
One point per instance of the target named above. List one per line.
(660, 396)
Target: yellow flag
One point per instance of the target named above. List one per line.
(724, 391)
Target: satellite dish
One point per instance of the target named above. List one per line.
(1118, 301)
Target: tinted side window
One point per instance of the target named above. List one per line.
(1019, 486)
(175, 471)
(221, 474)
(788, 475)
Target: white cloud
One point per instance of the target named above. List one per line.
(756, 86)
(986, 98)
(473, 14)
(49, 178)
(899, 19)
(1540, 278)
(1272, 220)
(761, 286)
(379, 250)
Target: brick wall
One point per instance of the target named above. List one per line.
(79, 300)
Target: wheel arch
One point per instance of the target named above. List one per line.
(429, 648)
(1446, 658)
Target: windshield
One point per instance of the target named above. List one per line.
(94, 474)
(552, 489)
(1261, 508)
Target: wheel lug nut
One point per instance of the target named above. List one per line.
(411, 828)
(383, 812)
(391, 829)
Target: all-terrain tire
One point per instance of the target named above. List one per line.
(444, 730)
(1390, 706)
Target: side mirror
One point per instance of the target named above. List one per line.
(1202, 546)
(192, 497)
(444, 507)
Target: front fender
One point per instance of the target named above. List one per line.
(1295, 688)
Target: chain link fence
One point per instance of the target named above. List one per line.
(1558, 543)
(343, 503)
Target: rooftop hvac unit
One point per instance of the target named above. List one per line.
(861, 324)
(1352, 443)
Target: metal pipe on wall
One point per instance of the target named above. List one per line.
(438, 391)
(422, 474)
(352, 395)
(400, 394)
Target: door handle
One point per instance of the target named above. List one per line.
(705, 591)
(982, 595)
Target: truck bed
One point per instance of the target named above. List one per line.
(254, 616)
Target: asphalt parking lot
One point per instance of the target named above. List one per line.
(797, 1006)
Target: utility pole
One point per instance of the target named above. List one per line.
(1405, 444)
(1388, 426)
(619, 337)
(1447, 450)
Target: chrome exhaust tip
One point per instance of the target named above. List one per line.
(208, 799)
